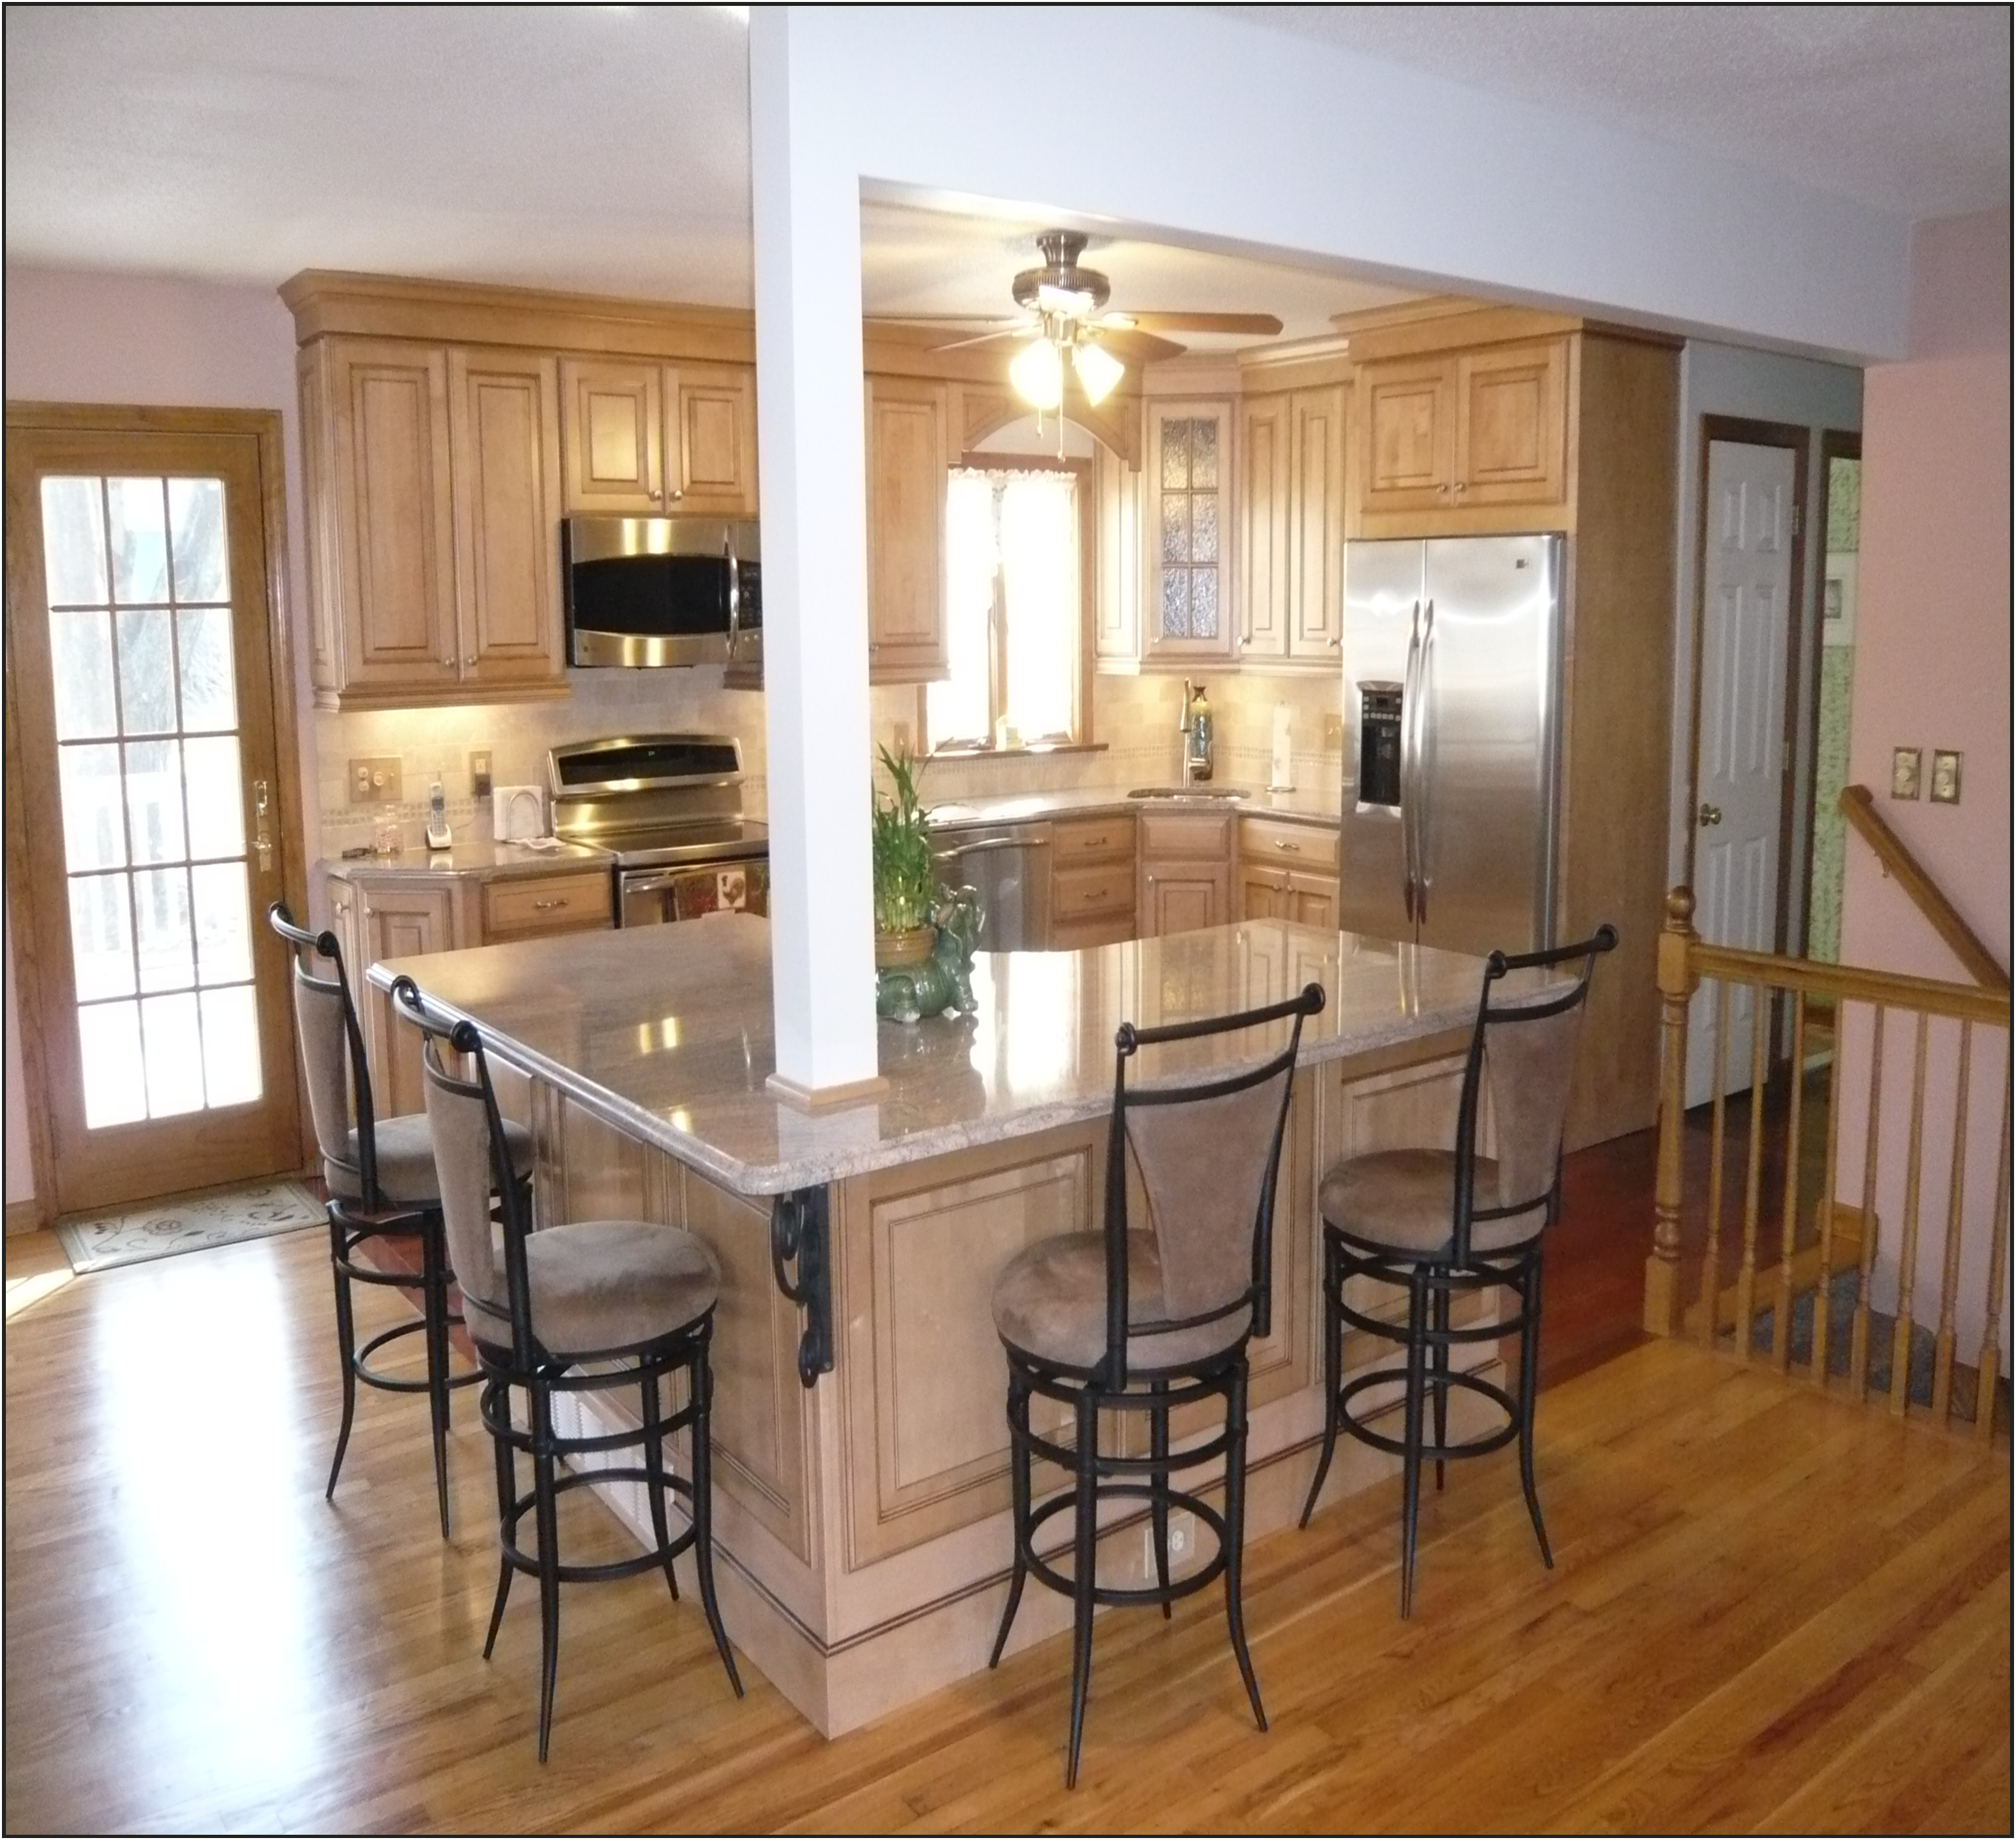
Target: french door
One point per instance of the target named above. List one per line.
(145, 806)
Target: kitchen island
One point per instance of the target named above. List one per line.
(861, 1472)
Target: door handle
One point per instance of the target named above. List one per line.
(1709, 814)
(1424, 812)
(262, 825)
(1407, 705)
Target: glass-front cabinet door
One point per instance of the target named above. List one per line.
(1187, 531)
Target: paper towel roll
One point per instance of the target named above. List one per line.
(1280, 778)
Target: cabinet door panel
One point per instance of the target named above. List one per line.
(1512, 424)
(1116, 630)
(906, 489)
(613, 418)
(1310, 900)
(1408, 440)
(1262, 894)
(1316, 599)
(715, 473)
(1266, 439)
(396, 922)
(1185, 897)
(507, 501)
(393, 517)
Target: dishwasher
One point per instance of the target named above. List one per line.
(1009, 864)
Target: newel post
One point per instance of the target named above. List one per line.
(1677, 939)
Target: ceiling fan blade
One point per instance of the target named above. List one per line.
(1141, 347)
(985, 338)
(1262, 325)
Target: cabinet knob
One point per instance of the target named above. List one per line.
(1460, 488)
(1336, 644)
(1443, 491)
(469, 661)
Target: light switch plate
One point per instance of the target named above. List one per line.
(479, 774)
(1904, 762)
(1946, 776)
(375, 780)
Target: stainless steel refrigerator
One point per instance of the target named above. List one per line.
(1451, 710)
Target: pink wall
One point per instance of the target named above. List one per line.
(75, 337)
(1933, 671)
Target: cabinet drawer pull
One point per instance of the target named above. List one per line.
(547, 906)
(1293, 849)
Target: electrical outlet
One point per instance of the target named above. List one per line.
(1904, 765)
(1333, 731)
(479, 773)
(375, 780)
(1946, 776)
(1183, 1543)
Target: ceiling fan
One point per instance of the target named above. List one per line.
(1062, 317)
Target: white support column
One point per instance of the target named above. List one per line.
(807, 213)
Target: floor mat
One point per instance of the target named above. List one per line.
(188, 1223)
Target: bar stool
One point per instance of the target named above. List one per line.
(1433, 1222)
(1151, 1321)
(380, 1173)
(584, 1307)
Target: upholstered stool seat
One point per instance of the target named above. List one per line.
(577, 1308)
(602, 1286)
(1398, 1200)
(406, 1177)
(1049, 1302)
(1434, 1224)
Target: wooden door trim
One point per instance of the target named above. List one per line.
(263, 428)
(1836, 443)
(1742, 430)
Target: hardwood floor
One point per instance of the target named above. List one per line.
(1770, 1610)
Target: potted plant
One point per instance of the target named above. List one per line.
(905, 888)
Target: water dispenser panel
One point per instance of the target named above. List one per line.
(1379, 744)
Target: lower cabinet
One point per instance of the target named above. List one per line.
(1185, 872)
(1287, 872)
(1093, 874)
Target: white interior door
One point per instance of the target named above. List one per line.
(1746, 593)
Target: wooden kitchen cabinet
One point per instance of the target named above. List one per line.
(1287, 871)
(906, 505)
(1462, 430)
(644, 439)
(432, 482)
(385, 917)
(1291, 450)
(1185, 872)
(1189, 613)
(1092, 881)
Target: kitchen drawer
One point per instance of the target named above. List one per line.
(574, 903)
(1078, 894)
(1294, 846)
(1077, 935)
(1092, 840)
(1183, 834)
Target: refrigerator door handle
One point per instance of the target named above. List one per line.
(1423, 815)
(1407, 703)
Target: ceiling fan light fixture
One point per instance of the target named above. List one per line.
(1098, 370)
(1037, 371)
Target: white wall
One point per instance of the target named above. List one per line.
(1763, 387)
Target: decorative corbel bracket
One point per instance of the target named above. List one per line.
(800, 1240)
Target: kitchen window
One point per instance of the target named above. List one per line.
(1015, 555)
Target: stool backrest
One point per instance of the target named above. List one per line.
(471, 1162)
(1524, 1048)
(1208, 1153)
(331, 1047)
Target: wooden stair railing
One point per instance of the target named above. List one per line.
(1859, 808)
(1820, 1238)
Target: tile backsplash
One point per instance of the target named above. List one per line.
(1133, 717)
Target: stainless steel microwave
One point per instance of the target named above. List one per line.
(646, 591)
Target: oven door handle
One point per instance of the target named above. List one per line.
(651, 881)
(982, 846)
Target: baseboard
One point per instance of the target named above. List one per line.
(25, 1216)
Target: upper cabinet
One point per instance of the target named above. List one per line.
(1188, 609)
(1462, 431)
(433, 478)
(644, 438)
(907, 448)
(1291, 452)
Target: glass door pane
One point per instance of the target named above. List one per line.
(138, 575)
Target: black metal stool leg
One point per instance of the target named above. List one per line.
(345, 1347)
(1085, 1554)
(654, 1476)
(1235, 1534)
(1529, 1350)
(1018, 1483)
(1410, 1464)
(545, 1509)
(703, 1507)
(433, 1305)
(1158, 1486)
(1440, 1294)
(1333, 1283)
(498, 1404)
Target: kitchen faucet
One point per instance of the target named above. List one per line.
(1193, 724)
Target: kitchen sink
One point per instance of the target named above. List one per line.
(1189, 794)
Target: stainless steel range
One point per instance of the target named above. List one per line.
(668, 808)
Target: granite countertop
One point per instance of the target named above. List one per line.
(475, 858)
(1308, 805)
(666, 1032)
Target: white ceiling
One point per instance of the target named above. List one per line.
(1905, 108)
(605, 148)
